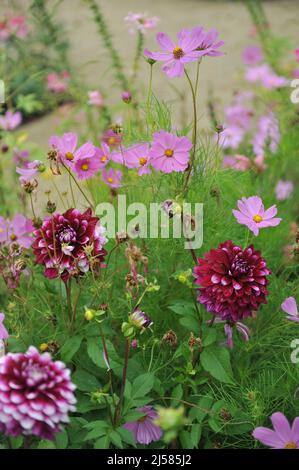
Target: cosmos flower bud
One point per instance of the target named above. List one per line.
(51, 207)
(126, 97)
(150, 61)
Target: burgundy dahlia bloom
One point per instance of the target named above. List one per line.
(36, 394)
(69, 244)
(233, 281)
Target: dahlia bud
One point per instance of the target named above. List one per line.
(134, 343)
(51, 207)
(170, 338)
(89, 314)
(126, 97)
(4, 148)
(194, 342)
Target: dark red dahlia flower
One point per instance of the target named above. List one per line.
(69, 244)
(36, 394)
(233, 281)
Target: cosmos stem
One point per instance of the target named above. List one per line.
(194, 133)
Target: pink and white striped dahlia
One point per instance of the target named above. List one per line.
(36, 394)
(69, 244)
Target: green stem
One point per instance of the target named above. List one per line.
(78, 186)
(139, 50)
(149, 93)
(194, 133)
(123, 384)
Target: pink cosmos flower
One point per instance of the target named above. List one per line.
(283, 190)
(126, 96)
(103, 154)
(111, 138)
(253, 215)
(237, 162)
(144, 430)
(112, 177)
(86, 166)
(297, 55)
(36, 394)
(289, 306)
(10, 120)
(252, 55)
(66, 146)
(3, 330)
(231, 137)
(295, 73)
(259, 163)
(141, 22)
(138, 156)
(30, 172)
(95, 98)
(170, 153)
(3, 230)
(283, 437)
(20, 231)
(20, 157)
(177, 55)
(58, 82)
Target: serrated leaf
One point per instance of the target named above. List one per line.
(116, 439)
(216, 361)
(102, 443)
(126, 436)
(209, 337)
(94, 351)
(185, 439)
(195, 434)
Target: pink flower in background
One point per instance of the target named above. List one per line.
(268, 134)
(112, 177)
(283, 437)
(238, 162)
(295, 73)
(178, 54)
(20, 231)
(58, 82)
(3, 330)
(170, 153)
(30, 172)
(252, 214)
(36, 394)
(252, 55)
(86, 166)
(10, 120)
(289, 306)
(3, 230)
(20, 157)
(141, 22)
(95, 98)
(297, 54)
(18, 26)
(103, 154)
(265, 75)
(126, 96)
(238, 115)
(66, 146)
(283, 190)
(138, 156)
(111, 138)
(231, 137)
(144, 430)
(259, 163)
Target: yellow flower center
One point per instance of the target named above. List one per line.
(290, 445)
(111, 141)
(84, 166)
(142, 419)
(142, 161)
(13, 237)
(110, 180)
(257, 218)
(168, 153)
(103, 158)
(69, 156)
(178, 52)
